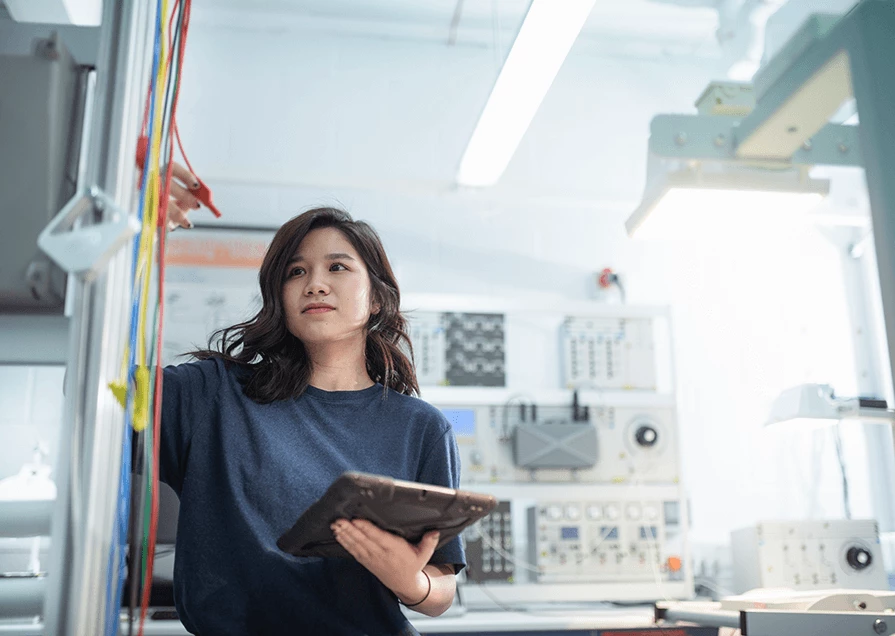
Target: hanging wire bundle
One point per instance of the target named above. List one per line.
(139, 388)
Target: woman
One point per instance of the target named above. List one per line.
(256, 430)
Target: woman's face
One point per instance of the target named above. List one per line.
(327, 294)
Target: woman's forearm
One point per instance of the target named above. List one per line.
(440, 598)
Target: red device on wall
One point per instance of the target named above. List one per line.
(202, 193)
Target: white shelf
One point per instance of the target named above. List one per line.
(449, 395)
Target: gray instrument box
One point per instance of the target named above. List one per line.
(548, 445)
(41, 115)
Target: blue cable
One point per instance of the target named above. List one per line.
(123, 509)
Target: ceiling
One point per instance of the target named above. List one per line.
(471, 22)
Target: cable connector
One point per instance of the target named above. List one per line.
(141, 399)
(608, 278)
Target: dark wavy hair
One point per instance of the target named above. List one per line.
(275, 362)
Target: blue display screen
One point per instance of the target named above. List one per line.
(462, 420)
(569, 533)
(609, 532)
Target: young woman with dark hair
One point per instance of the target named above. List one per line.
(316, 383)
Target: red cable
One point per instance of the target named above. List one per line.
(186, 24)
(182, 152)
(146, 110)
(149, 88)
(157, 419)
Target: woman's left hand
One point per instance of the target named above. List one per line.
(396, 562)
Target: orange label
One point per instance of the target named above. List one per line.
(203, 252)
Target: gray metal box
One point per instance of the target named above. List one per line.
(41, 115)
(555, 445)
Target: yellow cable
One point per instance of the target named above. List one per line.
(142, 398)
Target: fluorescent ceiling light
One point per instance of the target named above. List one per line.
(694, 205)
(547, 33)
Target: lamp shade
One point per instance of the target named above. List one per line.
(805, 402)
(695, 204)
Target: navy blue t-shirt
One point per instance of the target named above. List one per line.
(245, 472)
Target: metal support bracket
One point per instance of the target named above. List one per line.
(86, 249)
(713, 138)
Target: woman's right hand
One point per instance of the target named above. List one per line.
(181, 198)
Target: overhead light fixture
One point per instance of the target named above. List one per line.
(694, 203)
(817, 404)
(547, 33)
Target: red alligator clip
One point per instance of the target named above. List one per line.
(202, 193)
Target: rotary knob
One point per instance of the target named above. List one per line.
(595, 512)
(858, 558)
(646, 436)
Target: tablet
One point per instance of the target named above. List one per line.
(405, 508)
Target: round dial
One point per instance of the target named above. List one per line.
(858, 558)
(646, 436)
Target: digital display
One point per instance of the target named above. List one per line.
(609, 532)
(462, 421)
(569, 533)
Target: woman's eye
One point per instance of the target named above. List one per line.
(296, 271)
(335, 267)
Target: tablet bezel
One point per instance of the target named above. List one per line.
(405, 508)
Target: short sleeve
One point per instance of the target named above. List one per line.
(189, 393)
(441, 467)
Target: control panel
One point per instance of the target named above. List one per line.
(489, 547)
(809, 555)
(459, 349)
(585, 467)
(608, 353)
(428, 339)
(603, 443)
(594, 541)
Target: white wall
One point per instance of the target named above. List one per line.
(30, 410)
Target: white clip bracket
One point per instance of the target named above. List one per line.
(85, 250)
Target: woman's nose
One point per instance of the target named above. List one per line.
(316, 286)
